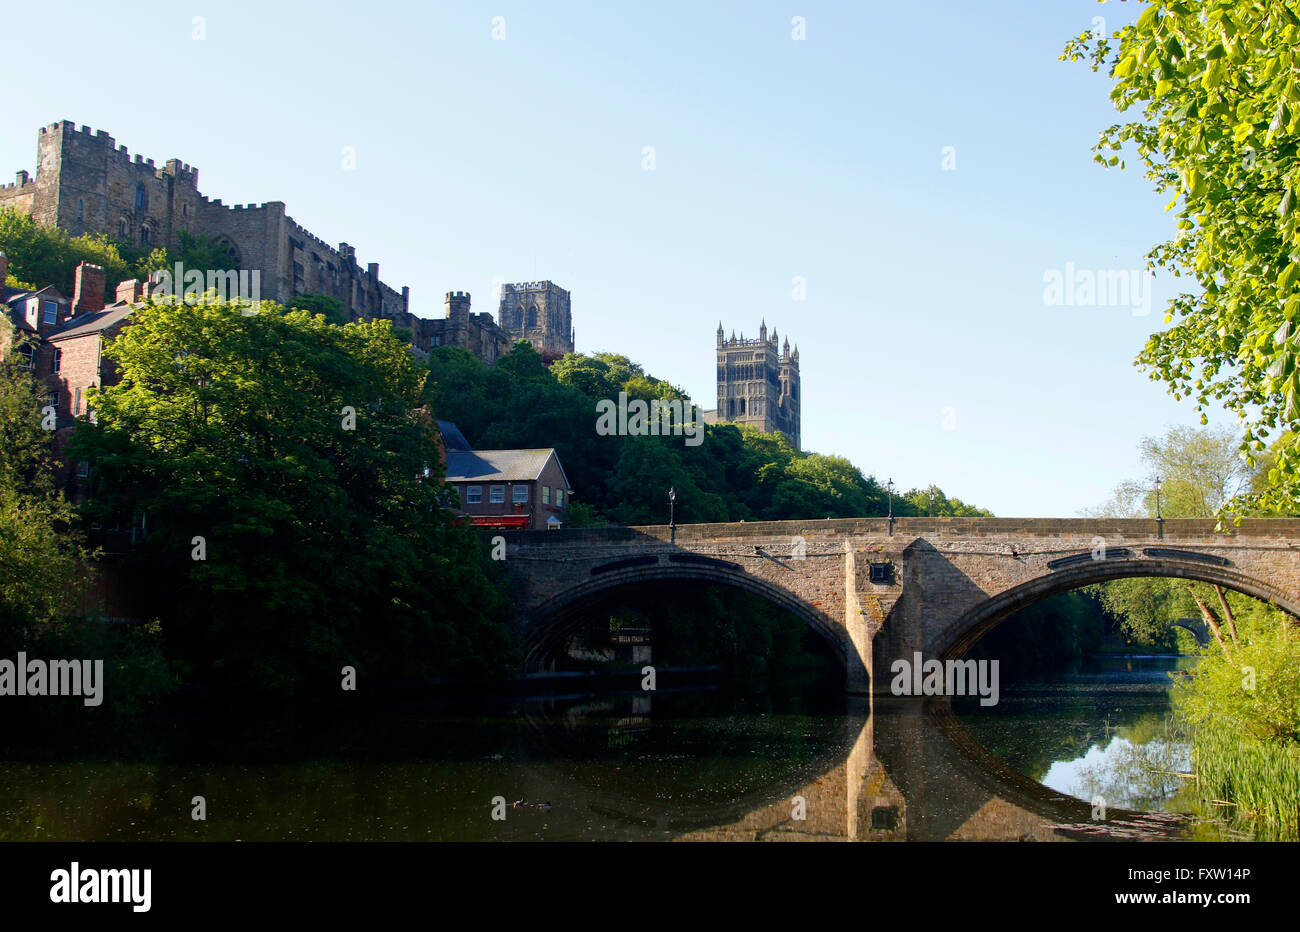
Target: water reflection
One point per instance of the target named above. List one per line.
(694, 765)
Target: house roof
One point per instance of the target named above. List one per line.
(499, 465)
(96, 322)
(452, 438)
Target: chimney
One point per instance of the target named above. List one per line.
(22, 177)
(129, 291)
(88, 295)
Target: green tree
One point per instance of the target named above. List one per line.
(40, 555)
(1219, 130)
(332, 308)
(290, 473)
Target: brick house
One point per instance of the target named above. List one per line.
(62, 341)
(506, 488)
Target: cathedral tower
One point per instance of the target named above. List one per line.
(758, 383)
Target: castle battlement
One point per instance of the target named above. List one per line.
(529, 286)
(94, 186)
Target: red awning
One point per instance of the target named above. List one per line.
(503, 521)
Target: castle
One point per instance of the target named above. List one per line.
(86, 184)
(757, 385)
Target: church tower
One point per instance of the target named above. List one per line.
(758, 383)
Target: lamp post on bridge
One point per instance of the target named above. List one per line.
(932, 500)
(1160, 520)
(672, 514)
(889, 487)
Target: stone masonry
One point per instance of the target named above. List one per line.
(933, 585)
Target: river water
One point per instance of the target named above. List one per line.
(693, 763)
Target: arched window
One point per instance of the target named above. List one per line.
(532, 317)
(141, 197)
(145, 236)
(121, 228)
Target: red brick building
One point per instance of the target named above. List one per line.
(61, 342)
(524, 489)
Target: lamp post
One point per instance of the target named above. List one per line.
(672, 515)
(889, 487)
(1160, 520)
(932, 501)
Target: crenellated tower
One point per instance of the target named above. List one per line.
(758, 382)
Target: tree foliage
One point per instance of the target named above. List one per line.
(1217, 84)
(42, 255)
(290, 473)
(736, 474)
(40, 557)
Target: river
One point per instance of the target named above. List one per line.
(693, 763)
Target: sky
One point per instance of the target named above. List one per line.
(921, 171)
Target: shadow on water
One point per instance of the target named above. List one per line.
(698, 764)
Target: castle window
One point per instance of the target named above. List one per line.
(185, 210)
(80, 215)
(121, 229)
(532, 317)
(141, 198)
(145, 236)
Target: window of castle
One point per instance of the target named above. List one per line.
(79, 211)
(141, 198)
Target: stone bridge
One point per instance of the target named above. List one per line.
(878, 590)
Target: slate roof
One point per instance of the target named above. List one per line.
(96, 322)
(498, 465)
(452, 438)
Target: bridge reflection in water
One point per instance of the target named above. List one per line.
(901, 770)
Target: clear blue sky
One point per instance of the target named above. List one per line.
(775, 158)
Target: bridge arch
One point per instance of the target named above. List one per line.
(978, 621)
(546, 627)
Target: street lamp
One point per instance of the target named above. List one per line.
(672, 514)
(931, 501)
(1160, 520)
(889, 487)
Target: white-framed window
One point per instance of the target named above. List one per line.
(56, 361)
(497, 494)
(76, 401)
(29, 354)
(521, 493)
(559, 496)
(473, 494)
(51, 312)
(546, 495)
